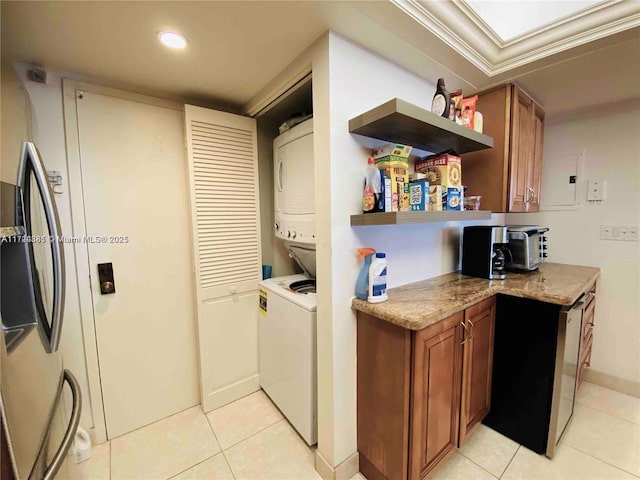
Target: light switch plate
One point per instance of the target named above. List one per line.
(625, 233)
(631, 233)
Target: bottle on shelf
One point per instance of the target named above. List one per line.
(441, 100)
(372, 188)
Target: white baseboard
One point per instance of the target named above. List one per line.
(621, 385)
(345, 471)
(230, 393)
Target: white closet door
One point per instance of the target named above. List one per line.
(223, 172)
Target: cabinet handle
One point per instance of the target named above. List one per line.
(530, 195)
(473, 330)
(464, 338)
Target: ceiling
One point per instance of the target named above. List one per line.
(517, 17)
(235, 48)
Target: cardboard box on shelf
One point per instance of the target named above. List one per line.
(399, 175)
(435, 198)
(403, 197)
(445, 170)
(419, 196)
(392, 149)
(388, 195)
(453, 199)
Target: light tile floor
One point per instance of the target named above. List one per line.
(249, 439)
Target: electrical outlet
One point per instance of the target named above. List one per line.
(605, 232)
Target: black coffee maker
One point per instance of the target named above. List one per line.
(484, 251)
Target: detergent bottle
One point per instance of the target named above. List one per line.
(378, 279)
(365, 255)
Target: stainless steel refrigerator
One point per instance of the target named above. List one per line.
(39, 424)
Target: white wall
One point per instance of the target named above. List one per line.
(610, 137)
(360, 80)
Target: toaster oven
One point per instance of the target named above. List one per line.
(527, 245)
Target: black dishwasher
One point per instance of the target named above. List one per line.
(534, 371)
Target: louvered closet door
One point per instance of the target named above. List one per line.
(226, 229)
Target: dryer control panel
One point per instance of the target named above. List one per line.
(302, 231)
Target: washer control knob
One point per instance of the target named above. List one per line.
(277, 225)
(288, 233)
(293, 235)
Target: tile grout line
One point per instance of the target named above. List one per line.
(510, 461)
(605, 413)
(156, 421)
(600, 459)
(253, 434)
(209, 457)
(220, 445)
(193, 466)
(477, 465)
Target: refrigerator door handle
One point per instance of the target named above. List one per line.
(31, 157)
(69, 436)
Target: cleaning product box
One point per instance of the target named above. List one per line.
(445, 170)
(419, 196)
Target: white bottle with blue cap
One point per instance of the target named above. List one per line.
(378, 279)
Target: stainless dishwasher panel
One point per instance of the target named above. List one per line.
(566, 372)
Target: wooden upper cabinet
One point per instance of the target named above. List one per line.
(521, 152)
(435, 399)
(536, 164)
(508, 175)
(477, 365)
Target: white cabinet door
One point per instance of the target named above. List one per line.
(223, 173)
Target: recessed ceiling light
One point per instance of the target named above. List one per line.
(172, 39)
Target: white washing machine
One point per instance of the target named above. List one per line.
(288, 350)
(288, 304)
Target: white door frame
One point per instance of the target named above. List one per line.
(70, 90)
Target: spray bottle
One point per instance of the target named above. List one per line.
(365, 255)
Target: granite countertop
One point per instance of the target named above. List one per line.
(420, 304)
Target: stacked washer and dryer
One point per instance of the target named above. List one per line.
(288, 304)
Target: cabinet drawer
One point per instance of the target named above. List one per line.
(584, 364)
(585, 349)
(589, 300)
(587, 323)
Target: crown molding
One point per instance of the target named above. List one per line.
(472, 38)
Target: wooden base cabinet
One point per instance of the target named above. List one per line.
(420, 393)
(435, 398)
(477, 366)
(509, 175)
